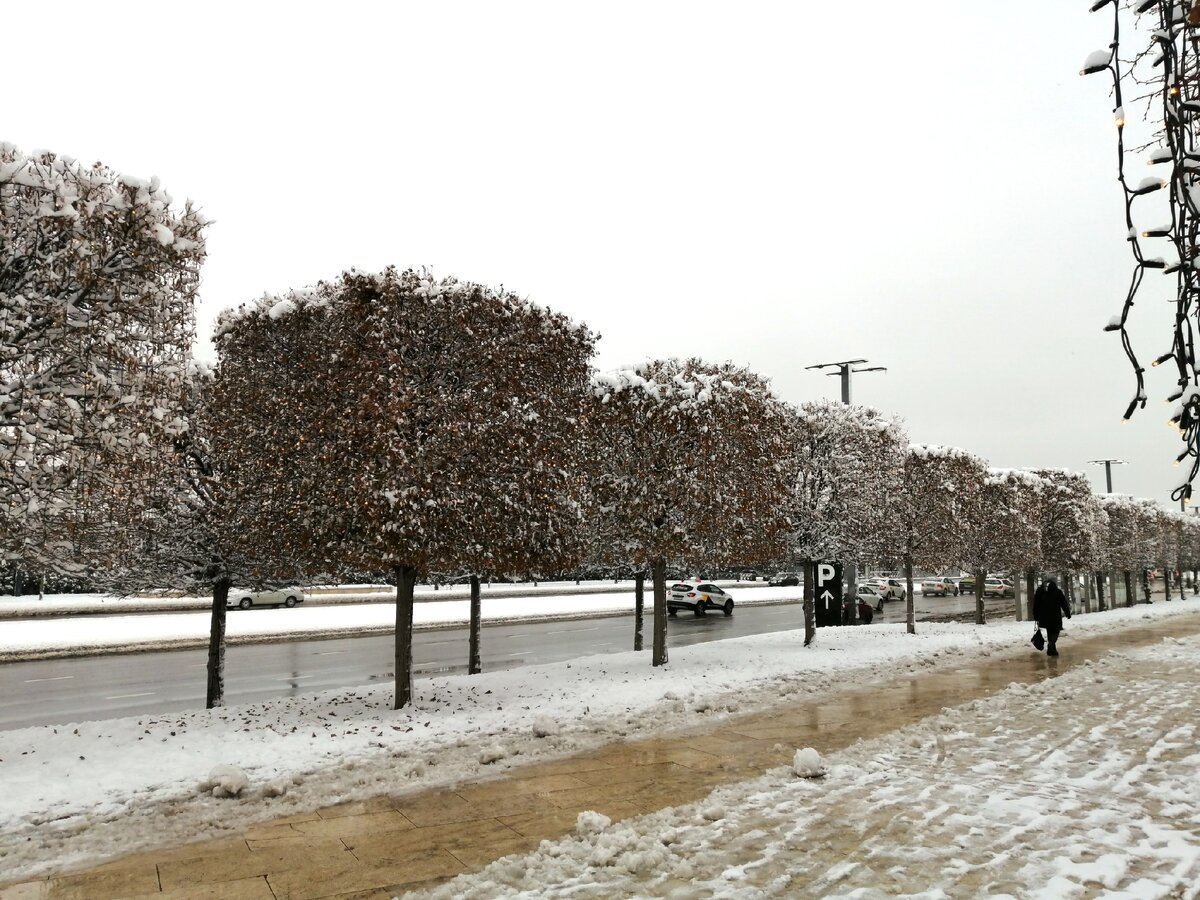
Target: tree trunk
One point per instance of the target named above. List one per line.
(1146, 585)
(216, 645)
(474, 667)
(1065, 580)
(1030, 590)
(639, 605)
(809, 605)
(1098, 577)
(980, 577)
(658, 572)
(1128, 588)
(1018, 591)
(406, 580)
(910, 604)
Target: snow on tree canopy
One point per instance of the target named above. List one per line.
(401, 420)
(681, 393)
(845, 458)
(689, 463)
(943, 487)
(98, 279)
(1072, 521)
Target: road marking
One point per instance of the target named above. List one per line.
(330, 652)
(569, 630)
(55, 678)
(296, 677)
(127, 696)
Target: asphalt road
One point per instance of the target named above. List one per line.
(48, 692)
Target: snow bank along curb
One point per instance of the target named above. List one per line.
(105, 604)
(75, 794)
(88, 636)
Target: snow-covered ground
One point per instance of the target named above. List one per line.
(43, 638)
(74, 794)
(1084, 785)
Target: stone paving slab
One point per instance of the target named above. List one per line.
(387, 845)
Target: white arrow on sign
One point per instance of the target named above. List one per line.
(825, 595)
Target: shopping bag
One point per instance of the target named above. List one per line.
(1037, 640)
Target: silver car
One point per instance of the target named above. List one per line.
(288, 597)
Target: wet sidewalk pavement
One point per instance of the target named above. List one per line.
(383, 847)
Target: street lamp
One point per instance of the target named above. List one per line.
(845, 368)
(1108, 464)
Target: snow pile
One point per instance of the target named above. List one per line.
(1082, 785)
(225, 781)
(808, 763)
(590, 822)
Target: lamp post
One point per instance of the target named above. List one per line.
(845, 369)
(1108, 464)
(1112, 584)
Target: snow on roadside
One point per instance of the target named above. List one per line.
(43, 638)
(1083, 785)
(75, 794)
(108, 604)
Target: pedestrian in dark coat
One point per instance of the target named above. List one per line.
(1049, 607)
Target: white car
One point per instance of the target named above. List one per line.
(889, 588)
(939, 587)
(699, 597)
(288, 597)
(868, 593)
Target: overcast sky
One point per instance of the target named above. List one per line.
(928, 185)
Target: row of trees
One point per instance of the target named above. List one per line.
(395, 423)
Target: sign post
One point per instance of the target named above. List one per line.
(827, 595)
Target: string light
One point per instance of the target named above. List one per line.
(1175, 49)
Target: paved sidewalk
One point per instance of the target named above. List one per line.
(392, 844)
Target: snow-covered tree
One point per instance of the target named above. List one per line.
(1072, 524)
(397, 423)
(1169, 539)
(1005, 533)
(191, 538)
(847, 459)
(98, 279)
(1124, 540)
(1189, 549)
(696, 469)
(943, 487)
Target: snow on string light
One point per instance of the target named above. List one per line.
(1174, 53)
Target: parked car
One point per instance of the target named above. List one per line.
(784, 579)
(939, 587)
(890, 588)
(867, 593)
(699, 597)
(288, 597)
(966, 584)
(995, 587)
